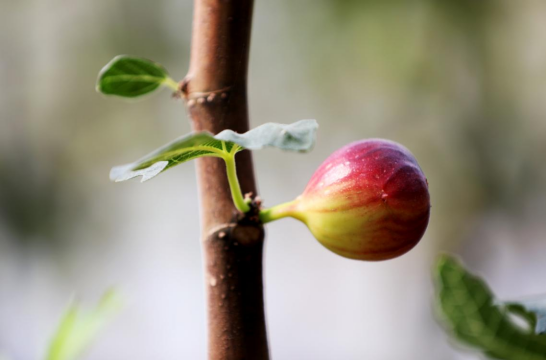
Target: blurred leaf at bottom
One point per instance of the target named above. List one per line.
(78, 328)
(469, 309)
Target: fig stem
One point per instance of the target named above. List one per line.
(277, 212)
(235, 189)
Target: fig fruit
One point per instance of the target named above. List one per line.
(368, 201)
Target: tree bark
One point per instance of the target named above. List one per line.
(215, 90)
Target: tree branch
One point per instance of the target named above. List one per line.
(215, 90)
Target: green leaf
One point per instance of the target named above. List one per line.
(468, 308)
(78, 329)
(531, 309)
(180, 150)
(130, 77)
(297, 137)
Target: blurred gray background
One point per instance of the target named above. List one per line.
(460, 83)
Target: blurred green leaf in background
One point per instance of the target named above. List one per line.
(468, 307)
(532, 309)
(78, 328)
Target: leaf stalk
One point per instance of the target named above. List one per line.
(235, 189)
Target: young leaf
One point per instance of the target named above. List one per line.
(468, 307)
(78, 329)
(299, 136)
(180, 150)
(130, 77)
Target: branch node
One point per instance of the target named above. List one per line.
(183, 86)
(210, 95)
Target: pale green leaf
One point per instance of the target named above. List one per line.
(468, 307)
(297, 137)
(131, 77)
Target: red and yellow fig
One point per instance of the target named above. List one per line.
(369, 201)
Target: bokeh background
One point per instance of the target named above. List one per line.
(460, 83)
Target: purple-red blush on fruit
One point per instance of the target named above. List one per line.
(369, 201)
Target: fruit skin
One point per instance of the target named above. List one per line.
(368, 201)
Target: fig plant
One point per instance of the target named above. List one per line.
(369, 200)
(376, 208)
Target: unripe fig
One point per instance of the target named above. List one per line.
(369, 201)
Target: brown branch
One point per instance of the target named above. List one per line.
(215, 90)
